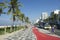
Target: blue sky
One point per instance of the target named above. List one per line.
(33, 9)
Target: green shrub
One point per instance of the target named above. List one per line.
(1, 31)
(8, 29)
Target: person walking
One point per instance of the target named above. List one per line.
(53, 29)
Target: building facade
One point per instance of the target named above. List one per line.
(44, 15)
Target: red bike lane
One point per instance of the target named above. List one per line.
(42, 36)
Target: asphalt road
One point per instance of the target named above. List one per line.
(57, 32)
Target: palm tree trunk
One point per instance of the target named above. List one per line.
(5, 30)
(11, 29)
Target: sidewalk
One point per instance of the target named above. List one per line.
(47, 32)
(8, 34)
(26, 34)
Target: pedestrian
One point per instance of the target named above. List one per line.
(52, 29)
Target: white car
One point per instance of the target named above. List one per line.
(47, 27)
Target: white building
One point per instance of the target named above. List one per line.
(37, 21)
(44, 15)
(56, 11)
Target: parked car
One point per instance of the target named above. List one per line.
(47, 27)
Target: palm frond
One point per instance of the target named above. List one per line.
(0, 10)
(9, 11)
(2, 4)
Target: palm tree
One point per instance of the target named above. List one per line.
(13, 7)
(46, 20)
(21, 17)
(2, 7)
(59, 15)
(54, 17)
(27, 20)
